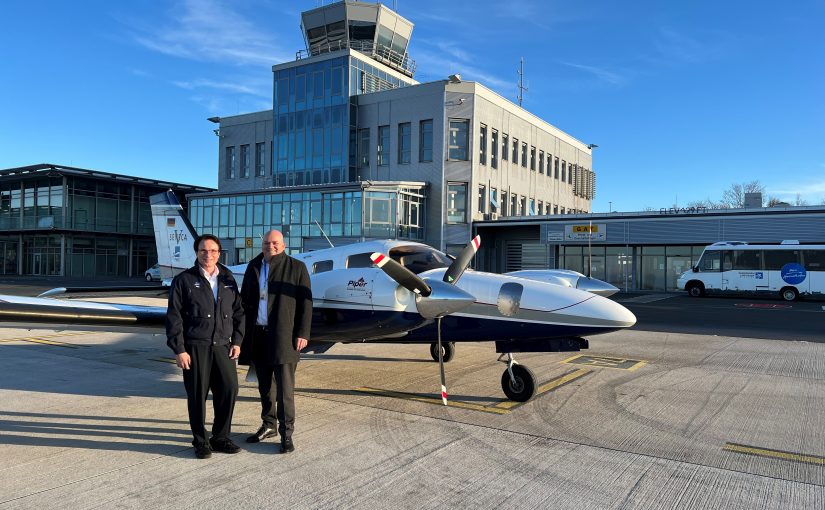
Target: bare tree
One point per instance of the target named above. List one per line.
(799, 200)
(774, 202)
(735, 195)
(708, 203)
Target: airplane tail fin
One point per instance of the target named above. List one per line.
(174, 235)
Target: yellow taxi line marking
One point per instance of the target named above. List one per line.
(44, 339)
(431, 400)
(777, 454)
(550, 385)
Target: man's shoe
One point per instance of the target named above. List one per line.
(263, 433)
(287, 446)
(202, 451)
(224, 446)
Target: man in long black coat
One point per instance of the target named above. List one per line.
(277, 301)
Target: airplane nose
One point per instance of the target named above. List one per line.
(596, 286)
(604, 312)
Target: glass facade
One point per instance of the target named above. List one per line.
(72, 225)
(372, 213)
(314, 140)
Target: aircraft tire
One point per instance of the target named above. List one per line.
(524, 386)
(449, 351)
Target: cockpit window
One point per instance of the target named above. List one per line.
(419, 258)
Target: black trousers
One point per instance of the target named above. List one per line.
(276, 384)
(211, 368)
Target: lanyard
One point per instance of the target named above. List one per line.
(263, 286)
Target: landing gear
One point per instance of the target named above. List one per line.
(518, 382)
(447, 351)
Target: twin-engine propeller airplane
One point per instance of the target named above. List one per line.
(389, 292)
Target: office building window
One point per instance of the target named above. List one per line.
(540, 208)
(563, 171)
(532, 209)
(532, 158)
(364, 147)
(494, 207)
(514, 209)
(425, 141)
(260, 159)
(541, 162)
(482, 198)
(459, 141)
(383, 145)
(557, 168)
(457, 203)
(404, 143)
(515, 151)
(524, 155)
(245, 160)
(230, 162)
(505, 147)
(494, 149)
(482, 145)
(504, 203)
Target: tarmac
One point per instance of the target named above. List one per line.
(643, 419)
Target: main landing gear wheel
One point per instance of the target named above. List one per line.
(447, 351)
(518, 382)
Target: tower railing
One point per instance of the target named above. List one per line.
(398, 61)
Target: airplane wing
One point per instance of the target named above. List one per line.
(52, 311)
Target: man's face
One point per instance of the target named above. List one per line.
(208, 254)
(273, 244)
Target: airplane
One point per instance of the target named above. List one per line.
(386, 291)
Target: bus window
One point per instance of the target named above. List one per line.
(727, 260)
(814, 260)
(747, 260)
(710, 261)
(775, 259)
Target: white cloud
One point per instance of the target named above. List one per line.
(259, 89)
(812, 192)
(207, 30)
(600, 73)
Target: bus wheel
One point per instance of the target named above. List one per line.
(789, 294)
(695, 289)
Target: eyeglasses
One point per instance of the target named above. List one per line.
(209, 252)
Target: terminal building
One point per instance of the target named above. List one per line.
(355, 146)
(637, 251)
(64, 221)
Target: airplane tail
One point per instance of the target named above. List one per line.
(174, 235)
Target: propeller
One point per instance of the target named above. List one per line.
(434, 299)
(461, 262)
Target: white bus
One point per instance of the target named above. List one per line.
(788, 270)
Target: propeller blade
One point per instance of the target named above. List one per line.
(401, 274)
(462, 262)
(441, 364)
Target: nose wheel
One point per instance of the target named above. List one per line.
(518, 381)
(447, 351)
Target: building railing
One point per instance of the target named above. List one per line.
(55, 222)
(398, 61)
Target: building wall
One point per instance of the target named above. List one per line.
(238, 130)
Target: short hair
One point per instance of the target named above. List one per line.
(206, 237)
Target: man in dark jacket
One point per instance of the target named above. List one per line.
(277, 300)
(204, 328)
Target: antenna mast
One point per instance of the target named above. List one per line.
(521, 88)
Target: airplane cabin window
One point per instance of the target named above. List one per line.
(359, 260)
(322, 266)
(419, 258)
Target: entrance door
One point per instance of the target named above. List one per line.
(37, 263)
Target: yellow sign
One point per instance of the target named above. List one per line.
(585, 228)
(249, 242)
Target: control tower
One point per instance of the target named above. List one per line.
(370, 28)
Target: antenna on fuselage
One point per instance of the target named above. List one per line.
(324, 234)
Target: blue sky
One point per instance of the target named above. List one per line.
(683, 98)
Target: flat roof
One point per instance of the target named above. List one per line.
(46, 168)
